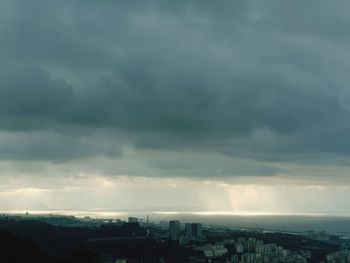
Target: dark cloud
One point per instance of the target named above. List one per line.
(246, 79)
(46, 146)
(29, 97)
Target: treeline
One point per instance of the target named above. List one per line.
(35, 241)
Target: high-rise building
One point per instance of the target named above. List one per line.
(197, 230)
(174, 229)
(193, 230)
(188, 230)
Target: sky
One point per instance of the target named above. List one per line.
(166, 105)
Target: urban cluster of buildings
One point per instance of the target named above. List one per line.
(342, 256)
(250, 250)
(243, 250)
(190, 243)
(193, 232)
(240, 250)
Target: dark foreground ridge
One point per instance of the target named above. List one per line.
(69, 239)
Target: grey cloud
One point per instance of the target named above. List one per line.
(175, 76)
(30, 98)
(46, 146)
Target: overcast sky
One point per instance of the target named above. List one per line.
(218, 105)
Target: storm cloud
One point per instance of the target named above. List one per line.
(176, 88)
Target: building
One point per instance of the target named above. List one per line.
(339, 256)
(174, 229)
(239, 248)
(193, 230)
(212, 250)
(164, 225)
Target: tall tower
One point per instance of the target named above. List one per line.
(174, 229)
(193, 230)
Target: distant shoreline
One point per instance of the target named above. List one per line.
(105, 213)
(291, 222)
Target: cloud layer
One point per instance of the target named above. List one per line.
(192, 88)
